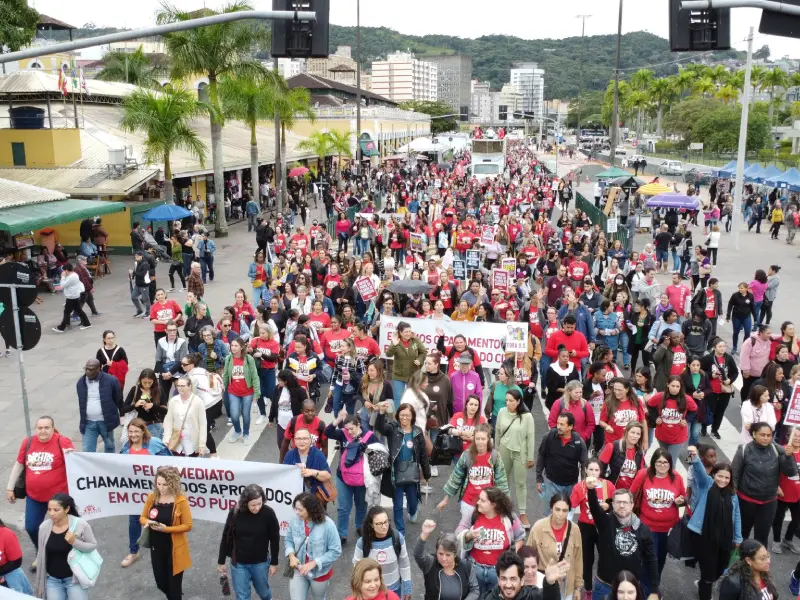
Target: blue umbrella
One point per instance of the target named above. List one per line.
(166, 212)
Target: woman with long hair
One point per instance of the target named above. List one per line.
(348, 371)
(465, 422)
(515, 440)
(488, 532)
(715, 523)
(367, 582)
(167, 514)
(112, 357)
(757, 409)
(247, 530)
(415, 396)
(748, 578)
(621, 406)
(622, 459)
(287, 402)
(780, 390)
(672, 408)
(407, 352)
(788, 500)
(626, 587)
(477, 468)
(445, 562)
(662, 492)
(145, 399)
(696, 383)
(266, 351)
(241, 380)
(11, 570)
(374, 390)
(312, 545)
(380, 541)
(722, 371)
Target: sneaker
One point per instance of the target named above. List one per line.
(97, 314)
(138, 315)
(425, 489)
(144, 316)
(235, 437)
(229, 423)
(777, 548)
(415, 517)
(716, 435)
(791, 546)
(8, 353)
(260, 420)
(170, 290)
(523, 518)
(85, 326)
(57, 330)
(794, 584)
(246, 440)
(129, 560)
(434, 471)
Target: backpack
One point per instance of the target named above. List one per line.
(208, 387)
(796, 219)
(354, 474)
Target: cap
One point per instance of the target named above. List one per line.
(140, 253)
(464, 359)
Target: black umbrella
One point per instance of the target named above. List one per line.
(627, 182)
(409, 286)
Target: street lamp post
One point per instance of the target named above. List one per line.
(580, 70)
(615, 113)
(358, 87)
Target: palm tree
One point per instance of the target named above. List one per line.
(319, 143)
(727, 93)
(736, 80)
(340, 145)
(719, 74)
(166, 119)
(774, 78)
(215, 51)
(131, 67)
(756, 75)
(794, 82)
(684, 80)
(642, 79)
(291, 104)
(637, 101)
(703, 86)
(250, 100)
(661, 92)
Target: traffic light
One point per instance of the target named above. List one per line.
(698, 30)
(301, 39)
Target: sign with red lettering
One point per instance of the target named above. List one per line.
(487, 234)
(366, 288)
(500, 279)
(793, 410)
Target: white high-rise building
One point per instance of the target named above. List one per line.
(289, 67)
(401, 77)
(528, 78)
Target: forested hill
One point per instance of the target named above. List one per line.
(492, 56)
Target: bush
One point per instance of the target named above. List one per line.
(671, 146)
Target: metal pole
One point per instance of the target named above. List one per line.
(580, 74)
(279, 174)
(358, 87)
(737, 196)
(770, 5)
(615, 113)
(20, 359)
(122, 36)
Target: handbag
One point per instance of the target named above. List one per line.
(679, 541)
(326, 492)
(377, 461)
(144, 538)
(85, 565)
(175, 438)
(406, 473)
(289, 570)
(20, 487)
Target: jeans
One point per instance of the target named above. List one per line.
(65, 589)
(673, 449)
(550, 489)
(301, 588)
(694, 431)
(156, 430)
(139, 296)
(261, 294)
(257, 574)
(676, 262)
(340, 400)
(95, 429)
(251, 223)
(411, 492)
(600, 589)
(240, 407)
(662, 258)
(487, 577)
(660, 548)
(35, 512)
(344, 504)
(134, 532)
(398, 387)
(267, 377)
(624, 340)
(17, 581)
(738, 325)
(757, 306)
(207, 266)
(187, 257)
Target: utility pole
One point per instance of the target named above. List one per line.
(580, 74)
(279, 172)
(737, 195)
(358, 88)
(615, 113)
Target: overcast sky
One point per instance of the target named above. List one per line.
(466, 18)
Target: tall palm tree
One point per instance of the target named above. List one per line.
(637, 101)
(685, 79)
(756, 75)
(736, 80)
(727, 93)
(131, 67)
(250, 100)
(166, 119)
(215, 51)
(703, 86)
(291, 105)
(772, 79)
(794, 82)
(719, 74)
(319, 143)
(661, 92)
(340, 145)
(642, 79)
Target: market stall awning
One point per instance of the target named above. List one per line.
(627, 182)
(729, 170)
(769, 172)
(38, 216)
(784, 179)
(753, 173)
(653, 189)
(612, 173)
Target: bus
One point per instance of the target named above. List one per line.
(488, 158)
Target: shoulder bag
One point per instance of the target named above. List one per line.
(289, 570)
(20, 487)
(175, 438)
(85, 565)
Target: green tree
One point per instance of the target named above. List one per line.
(772, 79)
(17, 24)
(756, 75)
(131, 67)
(762, 53)
(736, 80)
(637, 102)
(727, 93)
(249, 99)
(716, 125)
(215, 51)
(436, 109)
(642, 79)
(340, 145)
(318, 143)
(662, 93)
(703, 87)
(291, 105)
(166, 119)
(719, 74)
(591, 104)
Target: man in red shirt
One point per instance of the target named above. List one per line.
(678, 294)
(577, 270)
(307, 420)
(572, 340)
(301, 240)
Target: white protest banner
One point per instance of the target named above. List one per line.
(485, 338)
(516, 337)
(109, 485)
(387, 216)
(500, 279)
(416, 242)
(793, 409)
(366, 288)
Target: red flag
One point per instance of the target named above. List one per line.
(62, 81)
(460, 170)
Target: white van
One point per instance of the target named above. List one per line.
(671, 167)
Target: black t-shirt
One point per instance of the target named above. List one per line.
(161, 540)
(56, 551)
(662, 240)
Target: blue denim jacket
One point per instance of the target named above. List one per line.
(701, 483)
(323, 545)
(606, 322)
(219, 347)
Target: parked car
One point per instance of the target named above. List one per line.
(692, 175)
(620, 151)
(671, 167)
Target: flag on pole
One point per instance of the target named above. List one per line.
(74, 80)
(84, 87)
(62, 81)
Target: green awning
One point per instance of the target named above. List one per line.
(369, 148)
(45, 214)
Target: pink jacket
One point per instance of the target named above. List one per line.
(754, 356)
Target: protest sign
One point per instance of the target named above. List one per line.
(516, 337)
(473, 260)
(510, 265)
(366, 288)
(108, 485)
(793, 410)
(487, 234)
(459, 270)
(416, 242)
(611, 226)
(486, 339)
(500, 279)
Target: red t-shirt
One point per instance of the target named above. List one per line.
(658, 510)
(315, 429)
(164, 312)
(559, 535)
(479, 477)
(577, 270)
(366, 348)
(9, 546)
(331, 281)
(679, 360)
(238, 385)
(333, 344)
(670, 431)
(626, 411)
(267, 345)
(790, 486)
(579, 498)
(301, 241)
(711, 304)
(141, 451)
(716, 382)
(629, 466)
(45, 470)
(460, 421)
(487, 551)
(320, 321)
(387, 595)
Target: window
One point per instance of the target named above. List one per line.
(18, 154)
(485, 169)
